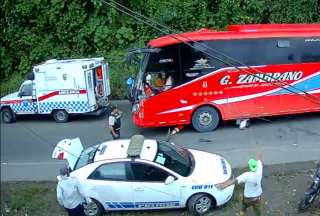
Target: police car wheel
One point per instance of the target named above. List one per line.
(93, 209)
(60, 116)
(7, 116)
(205, 119)
(200, 204)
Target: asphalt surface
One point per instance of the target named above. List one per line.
(27, 145)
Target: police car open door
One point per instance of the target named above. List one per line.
(90, 88)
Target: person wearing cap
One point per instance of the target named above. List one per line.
(115, 122)
(70, 194)
(252, 186)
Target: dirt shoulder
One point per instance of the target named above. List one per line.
(283, 186)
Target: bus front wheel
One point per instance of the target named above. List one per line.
(205, 119)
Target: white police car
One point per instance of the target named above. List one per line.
(144, 173)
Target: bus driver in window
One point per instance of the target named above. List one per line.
(159, 82)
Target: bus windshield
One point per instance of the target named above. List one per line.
(175, 158)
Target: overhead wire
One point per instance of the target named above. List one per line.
(166, 30)
(170, 31)
(177, 38)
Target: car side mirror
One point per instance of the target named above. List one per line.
(169, 180)
(20, 94)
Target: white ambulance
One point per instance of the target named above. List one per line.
(60, 88)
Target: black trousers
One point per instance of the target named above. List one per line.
(77, 211)
(255, 203)
(117, 132)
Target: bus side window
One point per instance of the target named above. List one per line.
(309, 50)
(195, 63)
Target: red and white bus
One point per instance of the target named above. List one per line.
(276, 72)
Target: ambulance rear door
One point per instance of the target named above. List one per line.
(90, 88)
(106, 79)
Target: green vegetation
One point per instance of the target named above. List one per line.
(38, 30)
(282, 192)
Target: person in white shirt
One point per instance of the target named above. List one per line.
(252, 186)
(70, 194)
(169, 83)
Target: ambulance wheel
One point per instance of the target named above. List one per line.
(205, 119)
(93, 209)
(7, 116)
(200, 204)
(60, 116)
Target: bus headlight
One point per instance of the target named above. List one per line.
(135, 107)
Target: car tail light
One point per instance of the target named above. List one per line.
(135, 107)
(61, 156)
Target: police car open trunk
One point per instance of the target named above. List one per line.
(68, 149)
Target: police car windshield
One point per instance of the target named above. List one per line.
(86, 156)
(174, 158)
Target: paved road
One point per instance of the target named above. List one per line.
(26, 145)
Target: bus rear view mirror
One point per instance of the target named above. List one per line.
(131, 57)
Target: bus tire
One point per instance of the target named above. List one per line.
(205, 119)
(60, 116)
(7, 116)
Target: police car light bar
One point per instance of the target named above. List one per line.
(135, 146)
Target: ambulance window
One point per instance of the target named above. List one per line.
(89, 75)
(111, 171)
(26, 90)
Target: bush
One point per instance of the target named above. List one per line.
(38, 30)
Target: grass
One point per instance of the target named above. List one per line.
(281, 197)
(29, 198)
(39, 198)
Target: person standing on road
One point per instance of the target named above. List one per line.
(70, 194)
(115, 122)
(252, 186)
